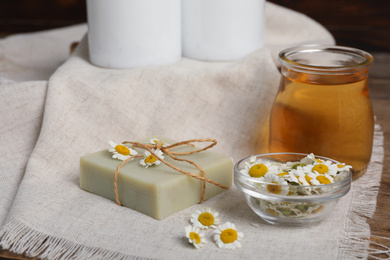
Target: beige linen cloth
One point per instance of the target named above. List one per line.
(85, 106)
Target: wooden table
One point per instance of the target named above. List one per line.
(380, 96)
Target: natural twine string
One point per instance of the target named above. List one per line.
(167, 150)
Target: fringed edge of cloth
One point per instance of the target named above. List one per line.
(21, 239)
(355, 240)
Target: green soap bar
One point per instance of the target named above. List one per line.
(157, 191)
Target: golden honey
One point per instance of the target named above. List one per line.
(324, 109)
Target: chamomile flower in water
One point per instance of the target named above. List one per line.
(195, 237)
(310, 159)
(277, 184)
(149, 159)
(157, 141)
(226, 236)
(343, 167)
(259, 169)
(252, 161)
(206, 218)
(308, 176)
(121, 151)
(322, 167)
(324, 179)
(293, 166)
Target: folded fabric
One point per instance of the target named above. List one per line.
(21, 117)
(229, 101)
(26, 63)
(35, 56)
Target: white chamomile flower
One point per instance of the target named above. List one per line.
(195, 237)
(308, 168)
(226, 236)
(314, 209)
(288, 166)
(342, 171)
(309, 159)
(324, 178)
(205, 218)
(157, 141)
(259, 169)
(310, 178)
(303, 177)
(149, 159)
(314, 181)
(121, 151)
(325, 167)
(248, 165)
(278, 185)
(343, 167)
(252, 160)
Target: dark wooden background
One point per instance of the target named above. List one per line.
(363, 24)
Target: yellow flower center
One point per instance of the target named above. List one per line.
(275, 189)
(308, 179)
(206, 218)
(195, 237)
(323, 179)
(319, 160)
(158, 142)
(320, 168)
(282, 173)
(340, 165)
(228, 235)
(122, 149)
(150, 159)
(258, 170)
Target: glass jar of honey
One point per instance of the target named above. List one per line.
(323, 105)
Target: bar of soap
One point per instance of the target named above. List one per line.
(157, 191)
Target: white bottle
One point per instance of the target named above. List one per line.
(220, 30)
(134, 33)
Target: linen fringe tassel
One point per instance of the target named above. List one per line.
(355, 241)
(21, 239)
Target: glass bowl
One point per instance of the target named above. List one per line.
(297, 205)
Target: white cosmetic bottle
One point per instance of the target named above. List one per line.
(134, 33)
(221, 30)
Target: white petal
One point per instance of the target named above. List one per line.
(188, 229)
(237, 244)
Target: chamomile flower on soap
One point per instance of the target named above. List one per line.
(226, 236)
(195, 237)
(205, 218)
(121, 151)
(149, 159)
(157, 141)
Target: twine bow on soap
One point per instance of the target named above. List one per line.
(167, 150)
